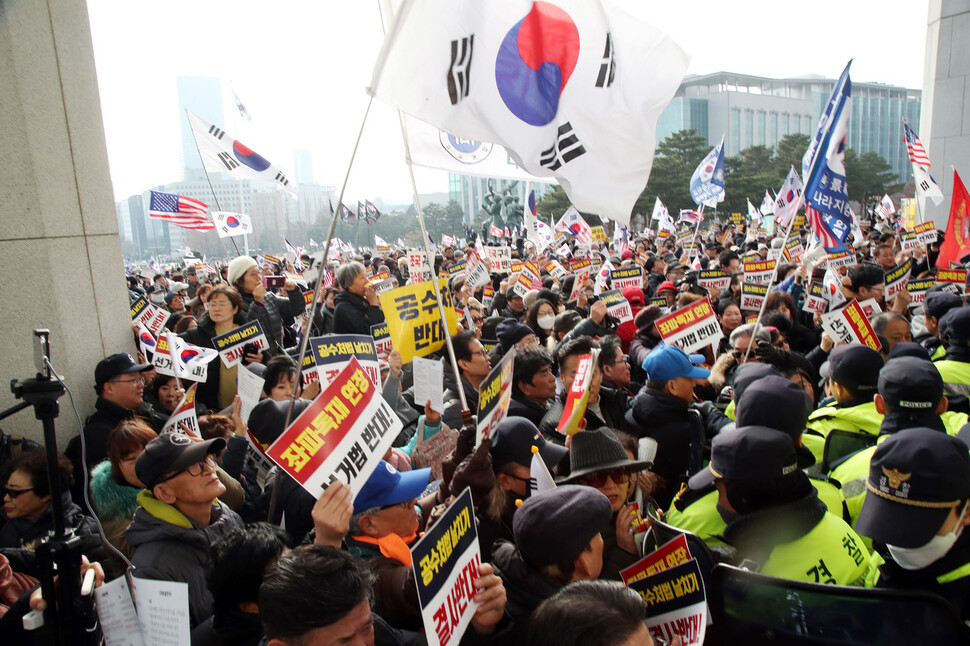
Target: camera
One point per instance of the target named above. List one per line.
(690, 280)
(249, 348)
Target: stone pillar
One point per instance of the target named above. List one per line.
(60, 254)
(945, 111)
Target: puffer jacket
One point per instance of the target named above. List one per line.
(679, 432)
(271, 312)
(525, 587)
(169, 546)
(352, 314)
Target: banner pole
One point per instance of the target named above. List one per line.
(314, 305)
(466, 412)
(771, 282)
(209, 180)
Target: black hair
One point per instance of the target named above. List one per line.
(726, 257)
(239, 560)
(566, 321)
(276, 369)
(574, 347)
(490, 327)
(34, 464)
(528, 362)
(866, 275)
(608, 346)
(532, 317)
(749, 496)
(462, 343)
(311, 587)
(587, 613)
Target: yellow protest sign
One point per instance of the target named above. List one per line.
(414, 321)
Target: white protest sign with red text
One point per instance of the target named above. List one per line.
(344, 433)
(692, 327)
(850, 325)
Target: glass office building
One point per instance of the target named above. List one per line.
(753, 110)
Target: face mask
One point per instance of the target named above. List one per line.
(917, 558)
(546, 322)
(726, 515)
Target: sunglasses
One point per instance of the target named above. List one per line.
(14, 493)
(620, 475)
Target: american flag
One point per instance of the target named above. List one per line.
(821, 229)
(182, 211)
(328, 278)
(917, 154)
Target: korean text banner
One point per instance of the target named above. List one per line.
(691, 328)
(850, 325)
(230, 345)
(344, 433)
(414, 321)
(676, 603)
(151, 317)
(494, 397)
(333, 352)
(445, 562)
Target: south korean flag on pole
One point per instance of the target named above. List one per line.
(707, 182)
(572, 89)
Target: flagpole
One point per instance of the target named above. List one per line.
(771, 282)
(317, 298)
(209, 181)
(465, 411)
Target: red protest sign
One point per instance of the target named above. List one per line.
(692, 327)
(673, 552)
(344, 433)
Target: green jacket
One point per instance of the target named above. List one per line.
(861, 418)
(956, 376)
(696, 511)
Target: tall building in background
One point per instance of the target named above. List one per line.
(759, 111)
(303, 166)
(139, 229)
(203, 96)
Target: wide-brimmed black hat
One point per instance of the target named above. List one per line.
(599, 450)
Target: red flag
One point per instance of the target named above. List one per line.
(957, 240)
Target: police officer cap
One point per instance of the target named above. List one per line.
(777, 403)
(853, 366)
(911, 385)
(556, 525)
(749, 453)
(748, 373)
(955, 325)
(915, 478)
(908, 349)
(937, 304)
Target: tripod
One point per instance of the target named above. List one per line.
(69, 617)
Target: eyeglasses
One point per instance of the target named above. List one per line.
(477, 320)
(14, 493)
(620, 476)
(194, 470)
(481, 352)
(136, 381)
(621, 360)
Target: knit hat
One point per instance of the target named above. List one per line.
(556, 525)
(511, 332)
(238, 268)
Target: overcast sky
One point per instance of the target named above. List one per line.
(301, 68)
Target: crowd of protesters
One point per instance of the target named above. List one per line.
(786, 452)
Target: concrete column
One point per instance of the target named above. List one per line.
(60, 253)
(945, 110)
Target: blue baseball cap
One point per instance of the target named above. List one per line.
(388, 486)
(668, 362)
